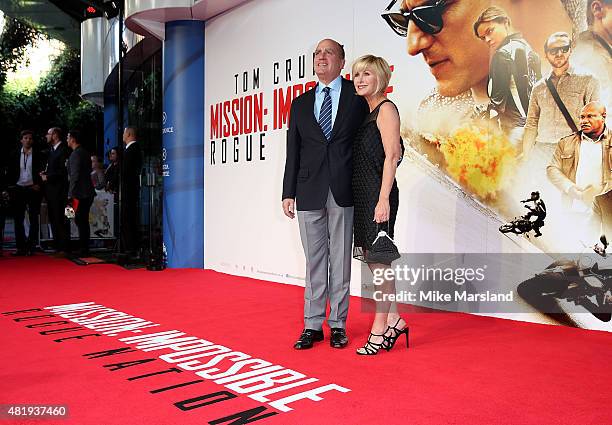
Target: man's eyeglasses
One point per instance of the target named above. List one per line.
(427, 18)
(556, 50)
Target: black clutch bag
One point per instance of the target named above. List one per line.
(383, 249)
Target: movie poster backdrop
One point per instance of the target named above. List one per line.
(466, 183)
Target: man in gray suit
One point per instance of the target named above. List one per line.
(318, 173)
(80, 189)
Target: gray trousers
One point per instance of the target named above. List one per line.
(327, 237)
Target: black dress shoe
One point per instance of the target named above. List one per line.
(338, 338)
(19, 253)
(307, 338)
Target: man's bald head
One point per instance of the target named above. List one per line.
(339, 47)
(595, 106)
(593, 119)
(129, 134)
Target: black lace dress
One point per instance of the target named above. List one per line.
(368, 163)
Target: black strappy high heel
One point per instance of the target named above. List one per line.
(371, 348)
(389, 341)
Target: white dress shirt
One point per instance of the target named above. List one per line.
(25, 169)
(589, 169)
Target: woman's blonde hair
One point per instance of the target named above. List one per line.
(378, 66)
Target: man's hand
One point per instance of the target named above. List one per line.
(588, 194)
(574, 192)
(289, 207)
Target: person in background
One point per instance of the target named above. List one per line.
(111, 174)
(97, 173)
(4, 203)
(55, 177)
(130, 185)
(25, 189)
(81, 192)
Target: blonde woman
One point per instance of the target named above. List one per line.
(376, 154)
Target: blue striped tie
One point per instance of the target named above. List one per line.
(325, 115)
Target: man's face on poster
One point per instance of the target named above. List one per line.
(601, 10)
(558, 51)
(592, 119)
(456, 58)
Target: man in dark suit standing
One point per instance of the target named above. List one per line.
(23, 177)
(80, 188)
(55, 177)
(318, 173)
(130, 185)
(4, 202)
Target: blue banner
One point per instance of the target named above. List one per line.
(183, 144)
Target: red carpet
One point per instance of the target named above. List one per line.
(459, 369)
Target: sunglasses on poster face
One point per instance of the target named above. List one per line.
(556, 50)
(428, 18)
